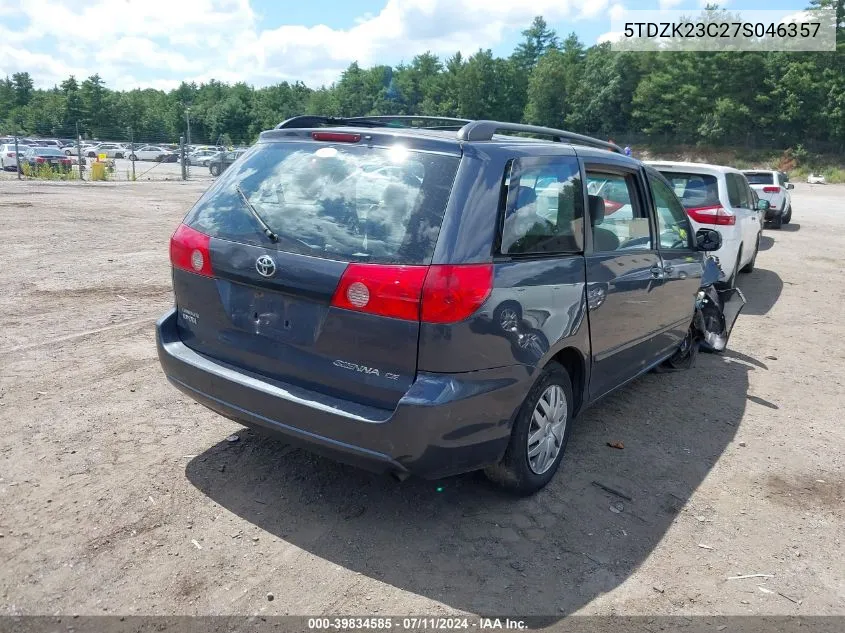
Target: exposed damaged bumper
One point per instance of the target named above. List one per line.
(717, 311)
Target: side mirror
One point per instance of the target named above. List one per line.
(708, 240)
(789, 185)
(763, 205)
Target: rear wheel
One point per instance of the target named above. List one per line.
(539, 435)
(214, 168)
(132, 157)
(778, 221)
(787, 216)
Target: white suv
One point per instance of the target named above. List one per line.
(773, 186)
(721, 198)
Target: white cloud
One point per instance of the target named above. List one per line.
(140, 43)
(669, 4)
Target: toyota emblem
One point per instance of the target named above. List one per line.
(265, 266)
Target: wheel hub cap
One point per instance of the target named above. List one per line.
(547, 429)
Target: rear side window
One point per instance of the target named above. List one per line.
(694, 190)
(544, 207)
(760, 178)
(737, 191)
(346, 202)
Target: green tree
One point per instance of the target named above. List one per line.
(539, 38)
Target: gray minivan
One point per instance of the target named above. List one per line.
(429, 300)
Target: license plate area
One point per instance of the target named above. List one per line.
(272, 314)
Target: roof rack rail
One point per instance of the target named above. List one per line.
(484, 131)
(306, 121)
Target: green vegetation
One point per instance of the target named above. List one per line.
(750, 101)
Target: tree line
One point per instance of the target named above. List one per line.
(753, 99)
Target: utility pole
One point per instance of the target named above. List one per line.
(182, 155)
(80, 164)
(186, 166)
(132, 152)
(17, 157)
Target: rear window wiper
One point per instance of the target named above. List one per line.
(266, 228)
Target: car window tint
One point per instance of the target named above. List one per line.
(737, 192)
(617, 218)
(673, 226)
(694, 190)
(544, 207)
(760, 178)
(347, 202)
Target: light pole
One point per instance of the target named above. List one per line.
(186, 163)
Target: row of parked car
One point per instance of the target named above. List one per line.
(215, 157)
(430, 296)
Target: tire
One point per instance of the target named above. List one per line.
(68, 152)
(787, 218)
(91, 155)
(778, 221)
(749, 267)
(132, 157)
(685, 357)
(214, 168)
(524, 474)
(118, 155)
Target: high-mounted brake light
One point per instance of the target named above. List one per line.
(336, 137)
(432, 294)
(712, 215)
(189, 250)
(771, 189)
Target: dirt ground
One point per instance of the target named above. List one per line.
(120, 495)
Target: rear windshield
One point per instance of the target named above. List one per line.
(694, 190)
(338, 201)
(760, 178)
(48, 151)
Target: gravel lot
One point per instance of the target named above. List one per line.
(120, 495)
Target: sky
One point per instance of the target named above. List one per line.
(160, 43)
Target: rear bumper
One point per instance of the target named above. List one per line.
(445, 424)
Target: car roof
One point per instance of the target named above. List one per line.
(690, 166)
(444, 140)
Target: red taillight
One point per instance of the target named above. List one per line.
(10, 154)
(771, 189)
(189, 251)
(452, 293)
(391, 291)
(433, 294)
(336, 137)
(712, 215)
(39, 160)
(66, 161)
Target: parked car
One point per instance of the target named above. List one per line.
(221, 161)
(37, 157)
(201, 157)
(717, 196)
(774, 187)
(111, 150)
(149, 152)
(816, 179)
(447, 327)
(8, 162)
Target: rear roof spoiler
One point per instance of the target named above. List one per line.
(467, 129)
(406, 121)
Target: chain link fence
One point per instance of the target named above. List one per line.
(116, 155)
